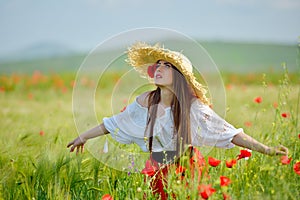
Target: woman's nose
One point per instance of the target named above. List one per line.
(159, 68)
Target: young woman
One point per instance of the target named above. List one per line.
(176, 115)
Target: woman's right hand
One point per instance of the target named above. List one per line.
(77, 144)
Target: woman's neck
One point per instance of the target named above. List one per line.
(166, 97)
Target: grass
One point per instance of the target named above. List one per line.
(37, 123)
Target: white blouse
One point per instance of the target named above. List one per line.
(207, 128)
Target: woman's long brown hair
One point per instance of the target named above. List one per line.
(181, 104)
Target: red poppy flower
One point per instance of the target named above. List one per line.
(230, 163)
(248, 124)
(244, 153)
(30, 96)
(180, 169)
(258, 100)
(124, 108)
(226, 196)
(151, 70)
(285, 160)
(285, 115)
(197, 157)
(297, 167)
(206, 191)
(213, 162)
(42, 133)
(224, 181)
(149, 169)
(64, 90)
(299, 136)
(229, 87)
(72, 84)
(275, 105)
(107, 197)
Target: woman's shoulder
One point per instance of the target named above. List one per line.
(196, 102)
(197, 105)
(143, 99)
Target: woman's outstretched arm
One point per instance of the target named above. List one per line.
(78, 143)
(246, 141)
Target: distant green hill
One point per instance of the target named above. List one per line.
(251, 57)
(229, 57)
(55, 64)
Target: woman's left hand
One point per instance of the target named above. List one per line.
(280, 150)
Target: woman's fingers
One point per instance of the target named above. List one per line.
(77, 144)
(282, 150)
(82, 148)
(79, 149)
(70, 143)
(72, 148)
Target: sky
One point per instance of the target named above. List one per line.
(83, 24)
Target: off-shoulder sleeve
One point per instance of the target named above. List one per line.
(128, 126)
(209, 129)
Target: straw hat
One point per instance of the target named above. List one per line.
(142, 56)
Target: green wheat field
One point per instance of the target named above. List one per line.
(36, 120)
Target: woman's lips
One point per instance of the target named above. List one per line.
(158, 76)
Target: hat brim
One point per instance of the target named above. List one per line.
(141, 55)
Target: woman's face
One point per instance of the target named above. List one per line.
(163, 75)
